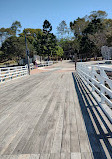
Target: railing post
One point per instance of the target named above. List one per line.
(102, 83)
(16, 72)
(26, 69)
(92, 78)
(86, 70)
(21, 71)
(9, 73)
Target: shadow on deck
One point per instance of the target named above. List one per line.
(97, 124)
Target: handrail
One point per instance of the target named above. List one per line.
(98, 81)
(9, 73)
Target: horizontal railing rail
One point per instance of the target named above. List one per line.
(99, 80)
(9, 73)
(47, 63)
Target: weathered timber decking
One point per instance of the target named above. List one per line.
(52, 115)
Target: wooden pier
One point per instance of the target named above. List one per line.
(52, 115)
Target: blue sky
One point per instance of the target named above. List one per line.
(32, 13)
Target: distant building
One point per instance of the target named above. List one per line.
(106, 52)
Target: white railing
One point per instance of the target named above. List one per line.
(99, 80)
(9, 73)
(47, 63)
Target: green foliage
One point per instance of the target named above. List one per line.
(11, 30)
(86, 46)
(14, 48)
(59, 51)
(47, 27)
(34, 33)
(68, 47)
(90, 34)
(48, 41)
(6, 31)
(109, 38)
(97, 15)
(78, 26)
(94, 26)
(15, 27)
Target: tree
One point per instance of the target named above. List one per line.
(97, 15)
(15, 27)
(86, 47)
(47, 27)
(4, 34)
(94, 26)
(78, 26)
(6, 31)
(59, 51)
(107, 24)
(11, 31)
(67, 46)
(48, 43)
(14, 48)
(32, 36)
(99, 39)
(62, 30)
(34, 33)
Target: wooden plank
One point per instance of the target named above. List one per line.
(12, 132)
(42, 118)
(53, 122)
(35, 156)
(4, 157)
(86, 155)
(44, 156)
(76, 155)
(25, 156)
(51, 130)
(74, 136)
(39, 115)
(37, 139)
(29, 120)
(55, 156)
(65, 156)
(66, 125)
(56, 146)
(13, 157)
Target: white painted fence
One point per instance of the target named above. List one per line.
(9, 73)
(47, 63)
(98, 81)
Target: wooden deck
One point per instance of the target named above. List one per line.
(52, 115)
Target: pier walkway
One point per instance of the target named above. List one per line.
(52, 115)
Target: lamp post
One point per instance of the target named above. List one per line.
(27, 53)
(75, 58)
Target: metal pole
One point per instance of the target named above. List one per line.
(75, 56)
(27, 53)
